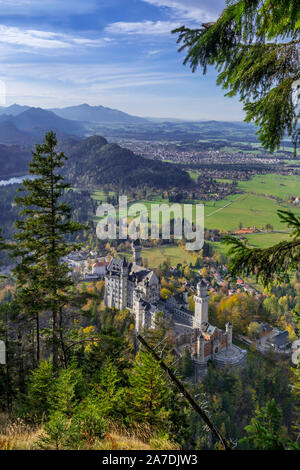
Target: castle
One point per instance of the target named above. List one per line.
(136, 288)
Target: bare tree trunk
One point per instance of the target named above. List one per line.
(54, 341)
(62, 341)
(38, 347)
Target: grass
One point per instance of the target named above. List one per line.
(265, 240)
(176, 254)
(156, 256)
(256, 206)
(247, 209)
(193, 174)
(17, 435)
(280, 186)
(100, 195)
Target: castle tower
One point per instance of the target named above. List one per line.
(138, 311)
(201, 305)
(228, 327)
(123, 284)
(200, 347)
(137, 255)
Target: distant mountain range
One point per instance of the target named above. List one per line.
(30, 125)
(25, 124)
(97, 114)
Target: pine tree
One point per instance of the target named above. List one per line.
(149, 391)
(43, 281)
(39, 389)
(254, 45)
(267, 264)
(108, 392)
(65, 394)
(264, 432)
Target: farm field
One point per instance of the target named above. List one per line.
(176, 254)
(256, 206)
(246, 209)
(155, 256)
(264, 240)
(273, 185)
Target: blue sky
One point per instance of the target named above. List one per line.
(117, 53)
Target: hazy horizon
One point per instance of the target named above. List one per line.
(118, 53)
(150, 118)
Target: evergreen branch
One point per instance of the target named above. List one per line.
(269, 264)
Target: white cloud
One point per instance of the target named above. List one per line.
(192, 10)
(100, 76)
(142, 27)
(43, 39)
(154, 52)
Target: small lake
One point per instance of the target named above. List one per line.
(14, 180)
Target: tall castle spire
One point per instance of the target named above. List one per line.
(201, 305)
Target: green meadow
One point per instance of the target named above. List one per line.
(156, 256)
(256, 206)
(247, 209)
(265, 240)
(280, 186)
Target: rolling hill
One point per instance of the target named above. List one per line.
(94, 162)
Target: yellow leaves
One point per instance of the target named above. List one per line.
(191, 303)
(204, 272)
(90, 289)
(99, 285)
(228, 303)
(87, 306)
(165, 293)
(187, 272)
(89, 332)
(291, 331)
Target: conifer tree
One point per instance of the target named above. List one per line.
(254, 45)
(39, 388)
(264, 431)
(149, 391)
(43, 281)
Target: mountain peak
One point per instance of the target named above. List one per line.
(97, 114)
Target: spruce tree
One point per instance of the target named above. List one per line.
(149, 391)
(43, 281)
(254, 45)
(264, 432)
